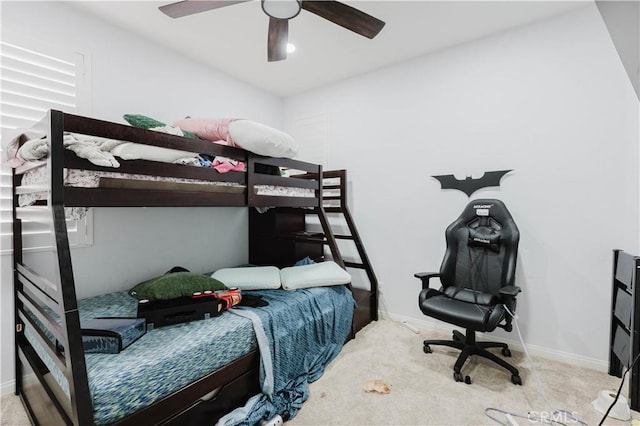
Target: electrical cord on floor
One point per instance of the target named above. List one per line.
(624, 375)
(540, 419)
(511, 417)
(382, 302)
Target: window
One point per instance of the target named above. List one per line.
(33, 79)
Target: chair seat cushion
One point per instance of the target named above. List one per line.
(466, 314)
(470, 296)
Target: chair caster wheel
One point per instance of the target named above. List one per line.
(516, 380)
(457, 377)
(427, 349)
(506, 352)
(467, 380)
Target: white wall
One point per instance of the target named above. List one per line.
(551, 101)
(131, 75)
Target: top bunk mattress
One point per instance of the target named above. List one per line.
(116, 180)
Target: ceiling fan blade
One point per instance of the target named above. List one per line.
(277, 40)
(191, 7)
(345, 16)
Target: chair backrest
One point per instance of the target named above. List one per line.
(482, 247)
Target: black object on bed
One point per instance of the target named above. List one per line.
(48, 320)
(111, 335)
(175, 311)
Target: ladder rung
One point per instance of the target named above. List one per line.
(331, 186)
(355, 265)
(344, 237)
(316, 240)
(332, 197)
(333, 209)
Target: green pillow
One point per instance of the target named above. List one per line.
(144, 122)
(174, 285)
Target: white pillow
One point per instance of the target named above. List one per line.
(313, 275)
(249, 278)
(138, 151)
(262, 139)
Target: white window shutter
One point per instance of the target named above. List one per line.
(33, 79)
(6, 214)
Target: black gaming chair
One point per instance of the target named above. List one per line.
(477, 276)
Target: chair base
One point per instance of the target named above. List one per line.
(468, 345)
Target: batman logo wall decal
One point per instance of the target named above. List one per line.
(470, 185)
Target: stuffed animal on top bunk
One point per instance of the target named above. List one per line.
(180, 296)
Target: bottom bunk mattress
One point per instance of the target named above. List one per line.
(167, 359)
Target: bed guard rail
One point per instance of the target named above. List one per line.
(265, 171)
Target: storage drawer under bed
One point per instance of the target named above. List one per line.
(211, 408)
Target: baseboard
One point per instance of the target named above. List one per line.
(7, 387)
(534, 350)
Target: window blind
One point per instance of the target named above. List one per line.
(33, 79)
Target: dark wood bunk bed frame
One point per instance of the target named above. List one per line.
(220, 391)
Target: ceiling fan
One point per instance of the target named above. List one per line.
(280, 11)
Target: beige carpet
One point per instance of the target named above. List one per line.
(422, 389)
(11, 412)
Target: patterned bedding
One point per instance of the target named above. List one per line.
(293, 353)
(95, 179)
(160, 362)
(168, 358)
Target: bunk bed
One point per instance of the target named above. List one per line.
(48, 315)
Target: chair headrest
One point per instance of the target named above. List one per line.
(485, 220)
(489, 208)
(484, 236)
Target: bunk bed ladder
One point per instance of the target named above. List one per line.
(45, 308)
(335, 202)
(329, 237)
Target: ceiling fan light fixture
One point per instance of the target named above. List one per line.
(282, 9)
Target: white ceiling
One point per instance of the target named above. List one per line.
(234, 38)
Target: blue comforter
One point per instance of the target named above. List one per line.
(300, 333)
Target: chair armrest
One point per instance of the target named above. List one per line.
(510, 291)
(425, 277)
(508, 295)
